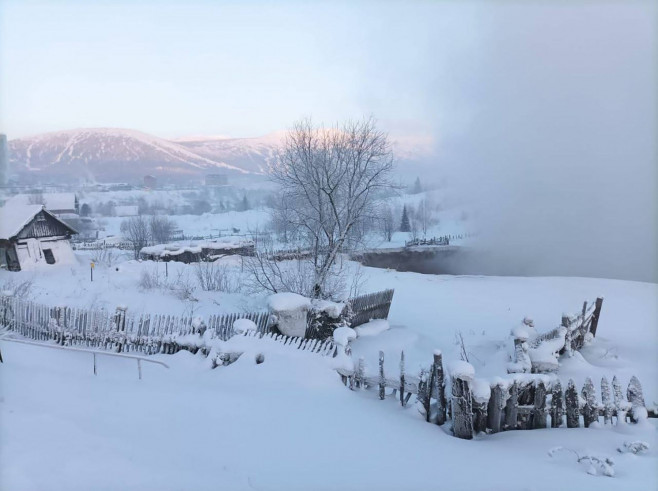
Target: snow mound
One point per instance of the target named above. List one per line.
(243, 325)
(286, 301)
(343, 335)
(481, 390)
(372, 328)
(332, 309)
(461, 369)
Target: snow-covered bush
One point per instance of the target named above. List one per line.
(212, 277)
(18, 289)
(597, 465)
(634, 447)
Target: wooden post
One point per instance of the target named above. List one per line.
(635, 397)
(557, 405)
(573, 410)
(139, 368)
(94, 363)
(430, 390)
(402, 378)
(595, 316)
(539, 412)
(439, 377)
(606, 400)
(382, 378)
(495, 410)
(590, 410)
(462, 408)
(480, 414)
(360, 374)
(511, 408)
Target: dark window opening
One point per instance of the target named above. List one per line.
(48, 254)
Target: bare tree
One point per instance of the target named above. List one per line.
(331, 178)
(426, 216)
(161, 229)
(282, 217)
(386, 222)
(136, 231)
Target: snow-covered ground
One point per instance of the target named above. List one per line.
(285, 424)
(289, 423)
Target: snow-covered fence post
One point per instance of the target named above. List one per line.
(621, 406)
(595, 316)
(539, 412)
(423, 396)
(440, 383)
(481, 393)
(557, 405)
(402, 378)
(512, 406)
(590, 408)
(462, 404)
(382, 378)
(360, 374)
(636, 398)
(572, 403)
(608, 408)
(120, 322)
(496, 405)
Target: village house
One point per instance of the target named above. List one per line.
(31, 236)
(62, 205)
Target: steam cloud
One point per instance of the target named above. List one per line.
(559, 153)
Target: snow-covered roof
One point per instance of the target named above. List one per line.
(195, 247)
(14, 217)
(52, 201)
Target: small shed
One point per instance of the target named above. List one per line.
(31, 236)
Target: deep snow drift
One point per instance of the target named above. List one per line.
(288, 422)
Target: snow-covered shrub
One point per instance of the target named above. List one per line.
(18, 289)
(597, 465)
(326, 316)
(213, 277)
(106, 256)
(150, 279)
(634, 447)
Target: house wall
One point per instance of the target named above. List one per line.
(43, 226)
(30, 252)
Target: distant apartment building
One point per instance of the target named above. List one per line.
(150, 182)
(4, 160)
(216, 180)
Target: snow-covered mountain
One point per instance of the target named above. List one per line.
(111, 154)
(107, 154)
(252, 154)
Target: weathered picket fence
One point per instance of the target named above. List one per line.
(434, 241)
(371, 306)
(519, 402)
(117, 331)
(538, 354)
(534, 402)
(122, 331)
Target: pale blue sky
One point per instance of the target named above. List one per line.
(238, 68)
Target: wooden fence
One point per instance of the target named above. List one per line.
(520, 402)
(538, 354)
(434, 241)
(117, 331)
(370, 306)
(121, 331)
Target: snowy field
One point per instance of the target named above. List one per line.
(289, 423)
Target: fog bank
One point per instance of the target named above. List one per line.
(559, 152)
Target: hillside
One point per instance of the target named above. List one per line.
(107, 154)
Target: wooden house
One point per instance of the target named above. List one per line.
(31, 236)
